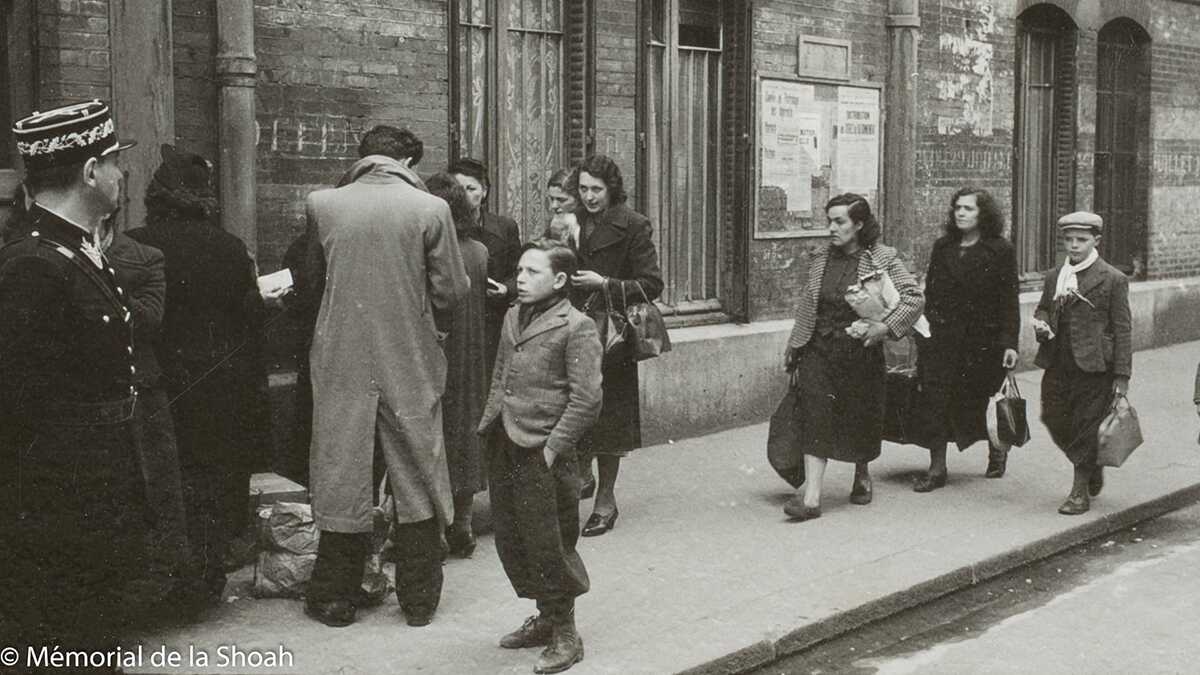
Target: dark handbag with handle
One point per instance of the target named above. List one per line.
(1120, 433)
(783, 437)
(610, 324)
(903, 407)
(1012, 425)
(647, 332)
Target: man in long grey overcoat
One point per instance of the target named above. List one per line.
(385, 262)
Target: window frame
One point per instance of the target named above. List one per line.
(20, 23)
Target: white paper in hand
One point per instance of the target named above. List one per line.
(275, 282)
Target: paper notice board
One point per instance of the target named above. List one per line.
(813, 141)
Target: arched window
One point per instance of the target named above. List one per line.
(1044, 171)
(1122, 180)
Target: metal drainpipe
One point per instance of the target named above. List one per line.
(237, 72)
(900, 132)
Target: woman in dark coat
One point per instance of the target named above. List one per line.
(466, 372)
(971, 300)
(209, 351)
(617, 255)
(839, 357)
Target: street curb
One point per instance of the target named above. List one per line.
(763, 653)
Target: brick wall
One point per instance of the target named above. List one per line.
(328, 71)
(1174, 238)
(73, 51)
(616, 87)
(779, 267)
(194, 53)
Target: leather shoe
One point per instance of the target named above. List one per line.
(597, 524)
(1075, 505)
(335, 613)
(796, 509)
(1096, 482)
(930, 482)
(460, 541)
(588, 489)
(861, 492)
(537, 631)
(996, 468)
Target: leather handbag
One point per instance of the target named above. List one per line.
(783, 437)
(1120, 433)
(610, 324)
(1012, 425)
(647, 332)
(902, 410)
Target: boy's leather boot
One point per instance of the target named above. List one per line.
(565, 648)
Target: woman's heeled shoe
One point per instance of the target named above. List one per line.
(1075, 505)
(996, 468)
(460, 541)
(930, 482)
(797, 510)
(861, 492)
(597, 524)
(1096, 482)
(588, 489)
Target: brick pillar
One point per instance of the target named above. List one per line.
(236, 78)
(900, 131)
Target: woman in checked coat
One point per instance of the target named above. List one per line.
(839, 363)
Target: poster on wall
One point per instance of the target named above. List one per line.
(814, 141)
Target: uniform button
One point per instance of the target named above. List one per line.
(129, 349)
(120, 290)
(508, 391)
(127, 316)
(35, 233)
(132, 390)
(132, 370)
(106, 318)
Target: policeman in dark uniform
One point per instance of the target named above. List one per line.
(72, 509)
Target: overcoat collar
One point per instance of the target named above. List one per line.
(611, 227)
(381, 169)
(550, 319)
(963, 265)
(1093, 276)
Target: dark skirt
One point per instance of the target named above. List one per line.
(618, 431)
(958, 378)
(841, 398)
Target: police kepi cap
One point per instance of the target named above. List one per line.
(1081, 220)
(67, 135)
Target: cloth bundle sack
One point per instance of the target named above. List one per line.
(288, 538)
(783, 436)
(875, 296)
(1007, 422)
(1120, 433)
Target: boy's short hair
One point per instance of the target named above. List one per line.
(562, 258)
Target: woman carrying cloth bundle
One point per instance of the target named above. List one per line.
(838, 355)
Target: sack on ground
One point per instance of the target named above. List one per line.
(1120, 433)
(783, 437)
(289, 538)
(1012, 424)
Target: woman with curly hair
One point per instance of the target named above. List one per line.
(974, 313)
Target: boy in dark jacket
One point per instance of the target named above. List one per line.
(1083, 325)
(545, 395)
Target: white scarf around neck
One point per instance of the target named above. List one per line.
(1068, 276)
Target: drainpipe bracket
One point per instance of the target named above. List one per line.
(903, 21)
(236, 70)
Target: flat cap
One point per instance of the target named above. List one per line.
(1081, 220)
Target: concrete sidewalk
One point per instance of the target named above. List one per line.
(704, 573)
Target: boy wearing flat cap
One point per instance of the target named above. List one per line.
(71, 500)
(1083, 326)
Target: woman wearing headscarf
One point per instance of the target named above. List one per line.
(971, 300)
(839, 356)
(466, 371)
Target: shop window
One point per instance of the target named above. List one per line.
(516, 66)
(1122, 180)
(1044, 171)
(680, 159)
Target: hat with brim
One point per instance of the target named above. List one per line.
(1082, 220)
(68, 135)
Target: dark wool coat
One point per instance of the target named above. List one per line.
(503, 241)
(621, 247)
(972, 303)
(466, 377)
(72, 506)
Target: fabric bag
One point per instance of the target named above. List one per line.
(1120, 433)
(783, 436)
(646, 333)
(1012, 425)
(902, 408)
(609, 323)
(875, 296)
